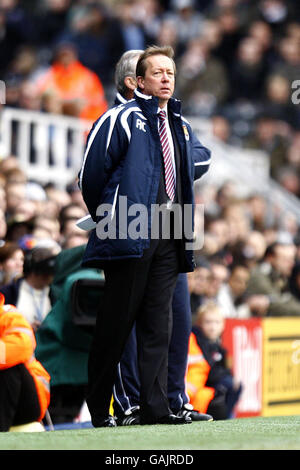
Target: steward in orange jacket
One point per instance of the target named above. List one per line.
(78, 88)
(197, 373)
(24, 383)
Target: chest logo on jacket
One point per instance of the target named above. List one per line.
(140, 125)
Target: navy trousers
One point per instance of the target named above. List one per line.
(127, 385)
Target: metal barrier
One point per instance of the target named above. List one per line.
(50, 148)
(249, 169)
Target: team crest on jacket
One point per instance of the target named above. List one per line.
(186, 132)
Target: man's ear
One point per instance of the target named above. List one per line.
(130, 83)
(140, 82)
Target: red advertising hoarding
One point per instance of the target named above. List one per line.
(243, 340)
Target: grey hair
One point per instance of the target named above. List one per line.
(126, 67)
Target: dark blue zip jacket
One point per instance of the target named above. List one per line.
(121, 169)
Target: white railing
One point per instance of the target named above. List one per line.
(50, 148)
(249, 169)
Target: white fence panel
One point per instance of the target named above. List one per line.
(50, 148)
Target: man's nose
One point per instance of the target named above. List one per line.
(165, 76)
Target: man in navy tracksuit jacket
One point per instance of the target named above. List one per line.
(123, 162)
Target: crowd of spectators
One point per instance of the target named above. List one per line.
(237, 65)
(250, 260)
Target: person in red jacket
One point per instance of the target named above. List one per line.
(24, 383)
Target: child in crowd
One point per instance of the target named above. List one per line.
(210, 383)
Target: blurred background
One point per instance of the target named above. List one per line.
(238, 76)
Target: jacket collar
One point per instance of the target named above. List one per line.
(119, 99)
(149, 104)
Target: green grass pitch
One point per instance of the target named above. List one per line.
(272, 433)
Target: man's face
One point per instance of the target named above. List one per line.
(239, 280)
(159, 78)
(284, 259)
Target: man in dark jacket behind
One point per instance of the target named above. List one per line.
(127, 167)
(269, 282)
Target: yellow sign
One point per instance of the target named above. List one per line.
(281, 366)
